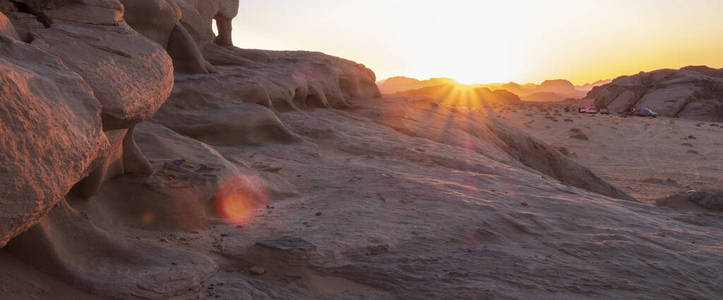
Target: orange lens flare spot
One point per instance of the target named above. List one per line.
(239, 198)
(148, 218)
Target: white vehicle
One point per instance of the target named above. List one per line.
(587, 110)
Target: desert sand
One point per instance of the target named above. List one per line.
(650, 158)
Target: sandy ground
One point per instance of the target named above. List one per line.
(650, 158)
(412, 200)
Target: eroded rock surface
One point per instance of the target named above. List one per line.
(6, 28)
(690, 93)
(131, 76)
(282, 80)
(51, 134)
(223, 123)
(182, 192)
(401, 197)
(67, 244)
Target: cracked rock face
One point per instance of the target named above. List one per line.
(51, 134)
(130, 76)
(694, 93)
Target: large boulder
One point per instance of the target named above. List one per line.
(693, 93)
(51, 128)
(131, 76)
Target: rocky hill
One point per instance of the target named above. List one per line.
(694, 92)
(463, 96)
(589, 86)
(144, 157)
(400, 84)
(547, 91)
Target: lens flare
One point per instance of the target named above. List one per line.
(148, 218)
(239, 198)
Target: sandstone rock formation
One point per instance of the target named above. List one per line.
(183, 28)
(690, 93)
(90, 79)
(66, 245)
(130, 76)
(145, 158)
(224, 123)
(6, 28)
(181, 193)
(51, 134)
(283, 80)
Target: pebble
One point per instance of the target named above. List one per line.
(256, 270)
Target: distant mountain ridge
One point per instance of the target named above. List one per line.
(397, 84)
(455, 94)
(589, 86)
(547, 91)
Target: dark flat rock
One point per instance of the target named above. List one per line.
(287, 244)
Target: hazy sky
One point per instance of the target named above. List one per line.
(485, 41)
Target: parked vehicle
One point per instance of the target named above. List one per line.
(643, 112)
(587, 110)
(647, 112)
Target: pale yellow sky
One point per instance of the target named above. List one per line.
(493, 41)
